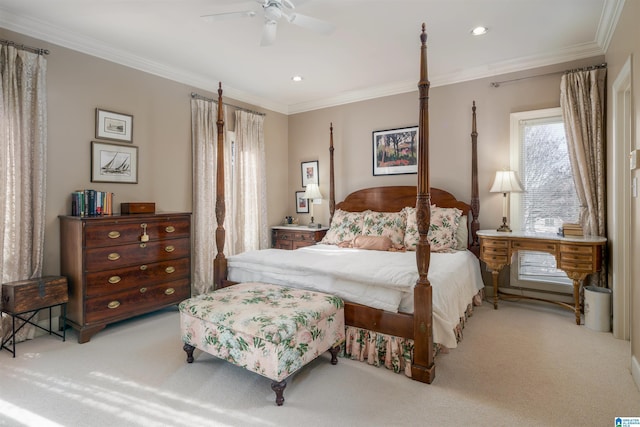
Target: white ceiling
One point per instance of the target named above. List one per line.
(372, 52)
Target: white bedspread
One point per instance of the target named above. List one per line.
(377, 279)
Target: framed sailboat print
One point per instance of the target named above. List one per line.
(114, 163)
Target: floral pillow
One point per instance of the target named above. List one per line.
(388, 224)
(442, 230)
(345, 226)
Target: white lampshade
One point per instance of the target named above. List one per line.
(506, 182)
(312, 192)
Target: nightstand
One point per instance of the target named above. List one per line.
(295, 236)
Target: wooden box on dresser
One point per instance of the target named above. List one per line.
(120, 266)
(296, 236)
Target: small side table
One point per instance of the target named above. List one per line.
(30, 296)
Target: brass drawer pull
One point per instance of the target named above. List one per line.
(113, 256)
(170, 229)
(143, 290)
(114, 234)
(143, 245)
(143, 267)
(170, 269)
(114, 279)
(114, 304)
(169, 291)
(170, 248)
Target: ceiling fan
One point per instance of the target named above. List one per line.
(273, 11)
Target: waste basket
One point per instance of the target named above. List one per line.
(597, 308)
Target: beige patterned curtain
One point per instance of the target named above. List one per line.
(204, 139)
(23, 153)
(249, 198)
(582, 99)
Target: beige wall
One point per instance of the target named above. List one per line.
(77, 84)
(450, 136)
(625, 44)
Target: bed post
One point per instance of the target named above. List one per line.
(422, 367)
(220, 262)
(332, 184)
(475, 199)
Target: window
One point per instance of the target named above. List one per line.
(539, 155)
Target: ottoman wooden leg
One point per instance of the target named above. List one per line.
(279, 387)
(334, 354)
(189, 349)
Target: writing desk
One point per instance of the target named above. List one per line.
(577, 256)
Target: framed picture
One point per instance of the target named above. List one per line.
(310, 173)
(302, 204)
(114, 126)
(114, 163)
(395, 151)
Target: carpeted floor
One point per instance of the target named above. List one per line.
(526, 364)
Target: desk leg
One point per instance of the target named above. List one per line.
(577, 278)
(494, 275)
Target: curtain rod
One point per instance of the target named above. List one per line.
(198, 96)
(589, 68)
(23, 47)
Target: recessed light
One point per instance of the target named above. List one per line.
(296, 78)
(478, 31)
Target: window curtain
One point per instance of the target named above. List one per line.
(249, 200)
(582, 99)
(23, 152)
(204, 140)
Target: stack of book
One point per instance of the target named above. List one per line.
(91, 203)
(570, 229)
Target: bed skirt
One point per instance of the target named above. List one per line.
(393, 352)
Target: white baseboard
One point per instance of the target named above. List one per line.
(635, 371)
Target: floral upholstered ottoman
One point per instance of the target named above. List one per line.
(270, 330)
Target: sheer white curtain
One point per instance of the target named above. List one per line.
(204, 140)
(23, 152)
(249, 200)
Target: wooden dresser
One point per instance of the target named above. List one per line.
(296, 236)
(120, 266)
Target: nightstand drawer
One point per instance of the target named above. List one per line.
(576, 249)
(284, 238)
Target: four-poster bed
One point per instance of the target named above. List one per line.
(415, 325)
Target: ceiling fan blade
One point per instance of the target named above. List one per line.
(268, 33)
(310, 23)
(229, 15)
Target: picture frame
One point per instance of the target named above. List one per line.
(395, 151)
(114, 126)
(302, 204)
(309, 172)
(117, 163)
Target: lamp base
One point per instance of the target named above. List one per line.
(313, 224)
(504, 227)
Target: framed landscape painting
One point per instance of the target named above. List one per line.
(395, 151)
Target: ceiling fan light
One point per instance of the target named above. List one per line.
(297, 79)
(272, 13)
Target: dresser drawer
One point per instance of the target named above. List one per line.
(125, 304)
(135, 254)
(498, 244)
(110, 281)
(126, 231)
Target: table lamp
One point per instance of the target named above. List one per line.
(312, 192)
(506, 182)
